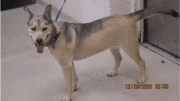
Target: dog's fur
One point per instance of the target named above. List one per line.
(78, 41)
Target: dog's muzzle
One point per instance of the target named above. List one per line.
(39, 45)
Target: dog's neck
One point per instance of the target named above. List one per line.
(54, 34)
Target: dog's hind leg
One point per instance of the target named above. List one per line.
(132, 50)
(117, 58)
(74, 78)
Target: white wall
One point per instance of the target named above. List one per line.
(89, 10)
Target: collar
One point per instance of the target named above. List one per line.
(54, 39)
(54, 36)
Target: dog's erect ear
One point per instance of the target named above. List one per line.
(47, 14)
(28, 11)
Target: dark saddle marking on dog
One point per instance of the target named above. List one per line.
(86, 29)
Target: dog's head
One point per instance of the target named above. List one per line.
(40, 27)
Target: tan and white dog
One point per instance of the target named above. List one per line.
(76, 41)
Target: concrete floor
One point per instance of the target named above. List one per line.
(29, 76)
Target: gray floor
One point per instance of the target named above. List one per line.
(29, 76)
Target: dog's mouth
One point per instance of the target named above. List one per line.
(40, 48)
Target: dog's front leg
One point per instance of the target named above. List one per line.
(67, 71)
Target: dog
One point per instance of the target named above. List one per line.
(68, 42)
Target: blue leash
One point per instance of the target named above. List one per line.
(60, 11)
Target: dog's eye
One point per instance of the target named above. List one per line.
(33, 29)
(44, 29)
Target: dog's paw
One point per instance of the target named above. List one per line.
(65, 98)
(111, 73)
(140, 81)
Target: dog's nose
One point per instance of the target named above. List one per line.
(39, 40)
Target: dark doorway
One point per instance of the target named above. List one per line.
(163, 31)
(9, 4)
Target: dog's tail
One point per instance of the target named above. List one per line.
(151, 11)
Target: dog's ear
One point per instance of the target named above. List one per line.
(47, 14)
(29, 12)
